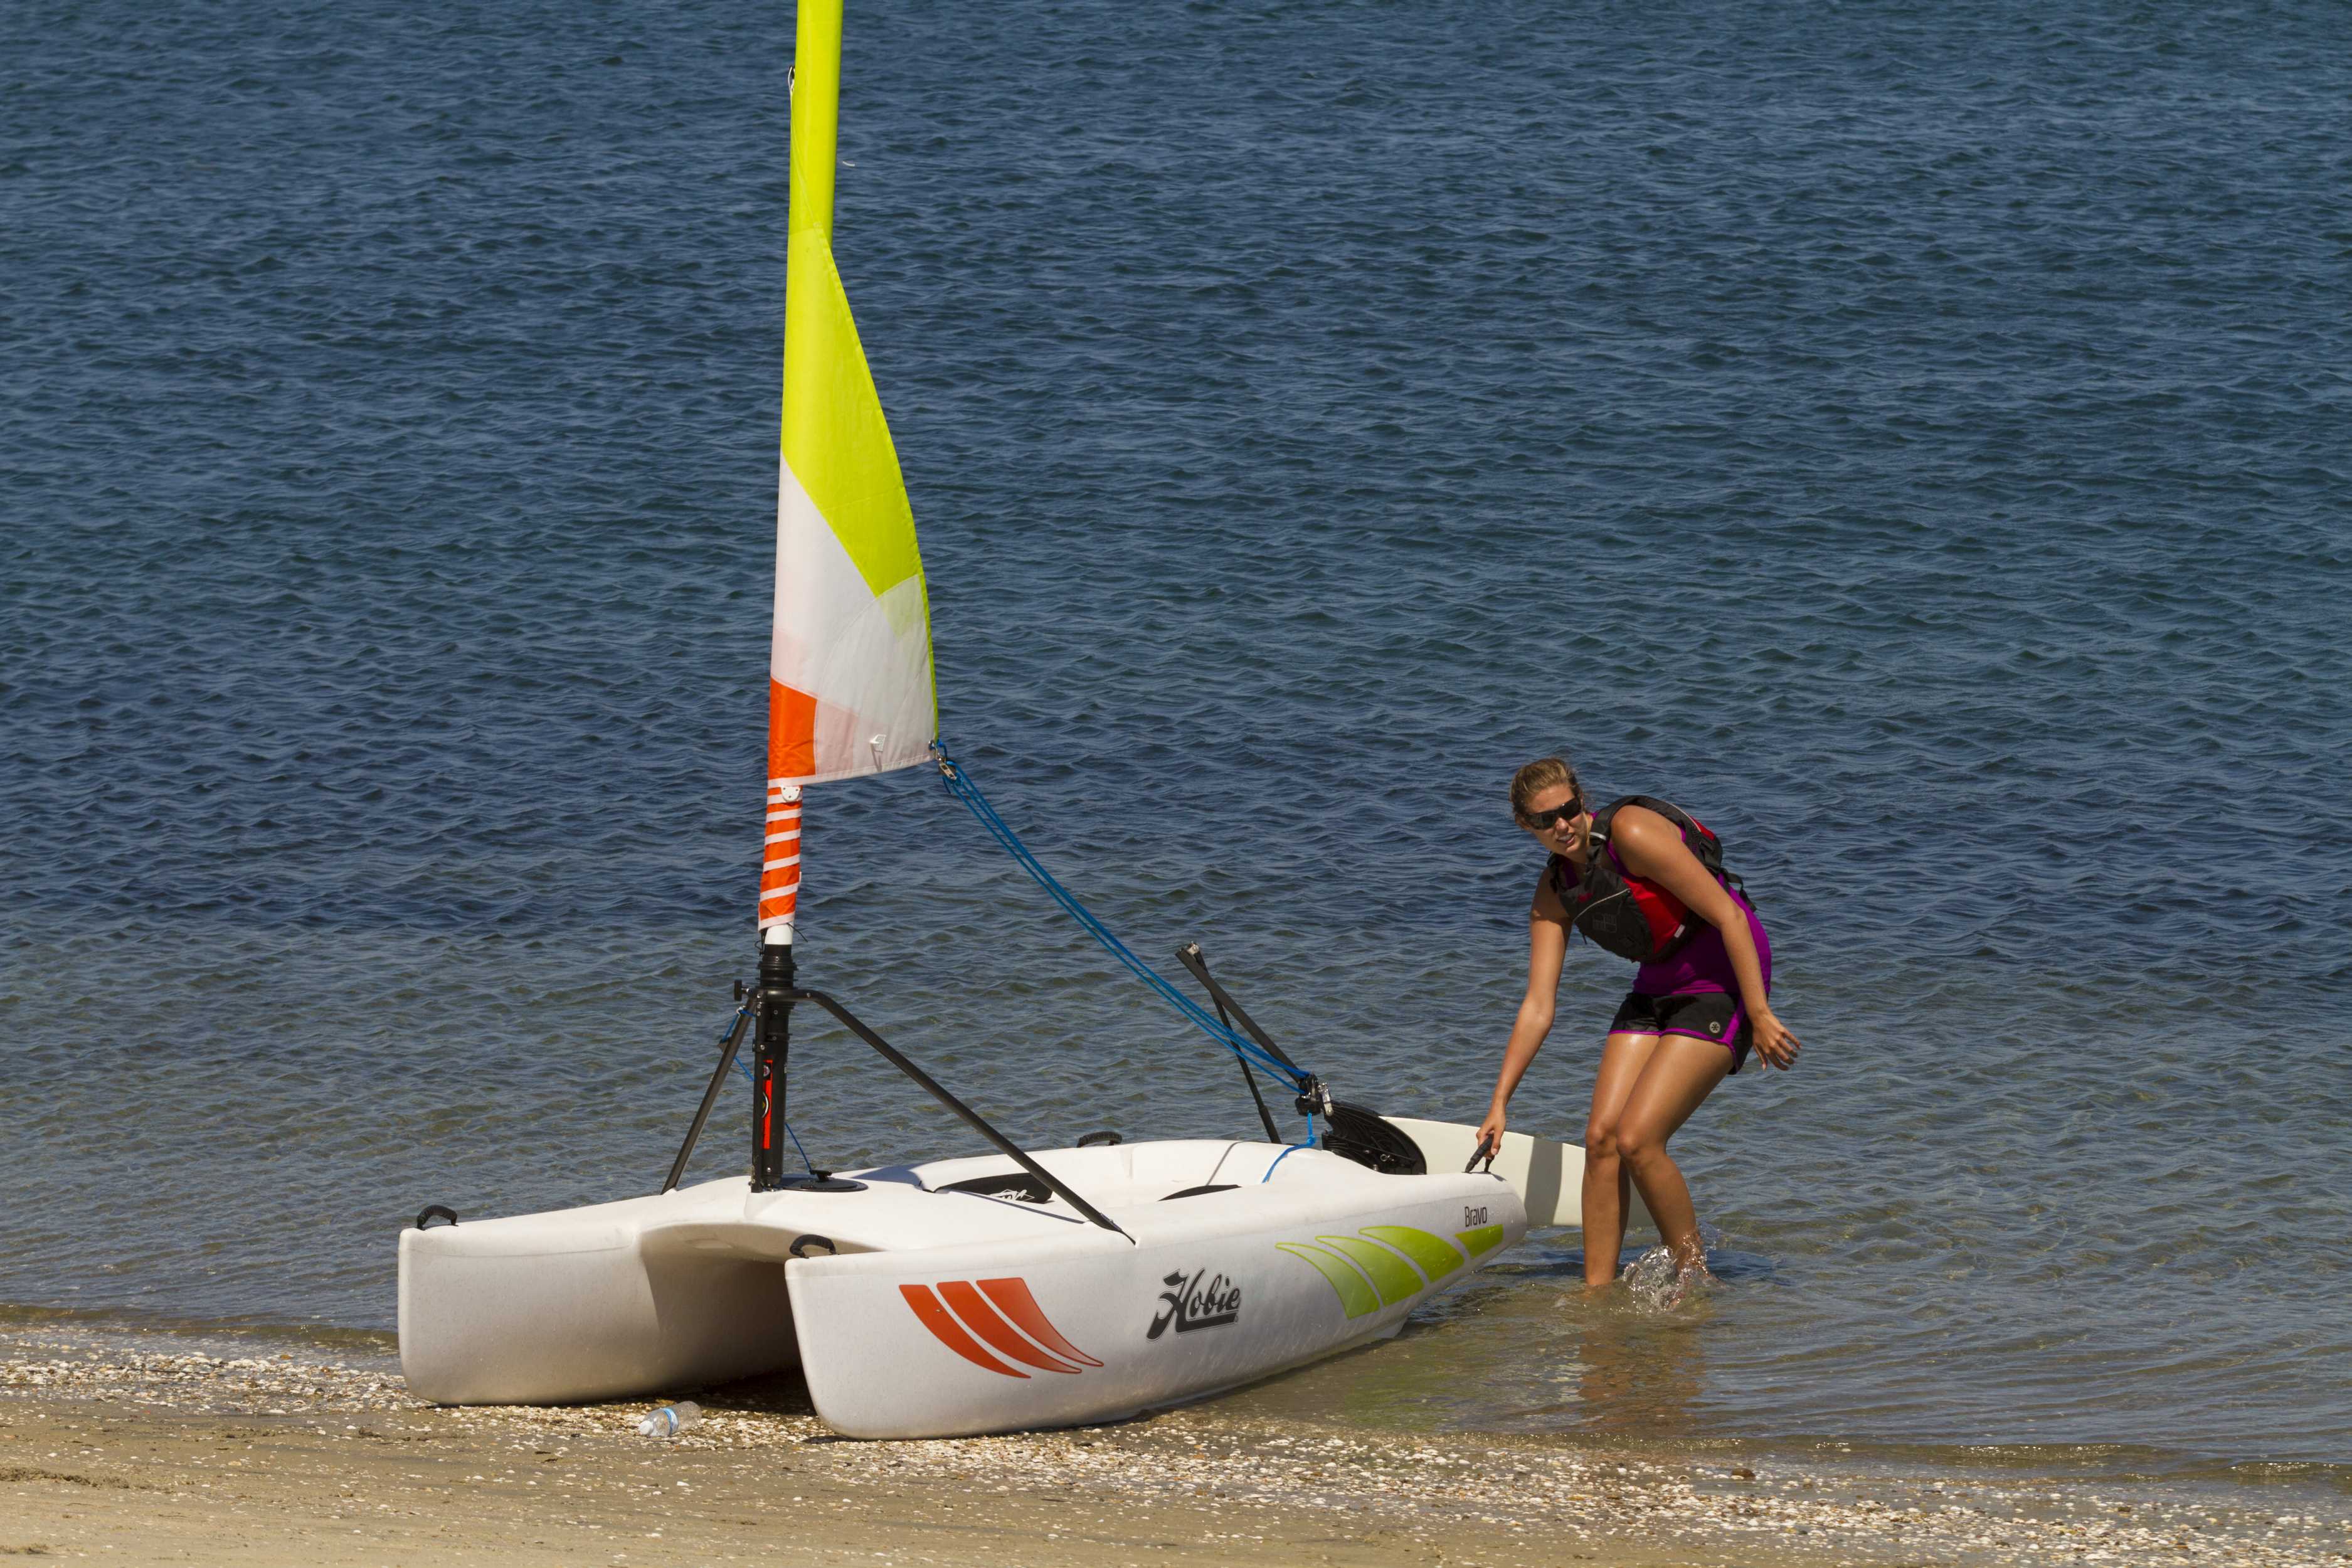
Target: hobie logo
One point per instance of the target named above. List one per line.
(1188, 1303)
(991, 1321)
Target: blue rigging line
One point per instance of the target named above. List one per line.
(1288, 1151)
(803, 1153)
(959, 785)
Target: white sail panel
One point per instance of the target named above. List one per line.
(859, 663)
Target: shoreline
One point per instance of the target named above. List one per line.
(285, 1458)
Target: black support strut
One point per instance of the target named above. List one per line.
(767, 1010)
(709, 1096)
(971, 1118)
(1190, 956)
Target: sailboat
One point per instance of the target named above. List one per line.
(986, 1292)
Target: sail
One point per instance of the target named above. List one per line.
(850, 687)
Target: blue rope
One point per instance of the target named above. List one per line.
(961, 787)
(1287, 1152)
(740, 1064)
(797, 1149)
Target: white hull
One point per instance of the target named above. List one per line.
(943, 1312)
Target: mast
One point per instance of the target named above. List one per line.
(850, 687)
(771, 1042)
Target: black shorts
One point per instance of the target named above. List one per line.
(1714, 1015)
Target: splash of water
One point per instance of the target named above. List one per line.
(1655, 1284)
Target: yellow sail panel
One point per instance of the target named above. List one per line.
(836, 439)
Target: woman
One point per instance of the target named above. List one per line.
(1647, 880)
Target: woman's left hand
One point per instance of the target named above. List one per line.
(1770, 1039)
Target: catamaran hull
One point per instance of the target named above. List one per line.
(946, 1313)
(538, 1311)
(994, 1338)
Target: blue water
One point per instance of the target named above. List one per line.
(1914, 438)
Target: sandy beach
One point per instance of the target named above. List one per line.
(130, 1453)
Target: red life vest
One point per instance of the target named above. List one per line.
(1632, 917)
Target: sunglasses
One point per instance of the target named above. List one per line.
(1543, 821)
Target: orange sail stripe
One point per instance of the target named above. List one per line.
(1013, 1297)
(948, 1331)
(982, 1318)
(791, 733)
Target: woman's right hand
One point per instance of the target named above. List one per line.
(1490, 1131)
(1772, 1041)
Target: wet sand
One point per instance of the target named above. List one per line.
(135, 1454)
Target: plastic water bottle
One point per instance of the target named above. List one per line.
(670, 1420)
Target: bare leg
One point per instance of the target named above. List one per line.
(1679, 1074)
(1607, 1185)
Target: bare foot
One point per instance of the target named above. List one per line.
(1688, 1277)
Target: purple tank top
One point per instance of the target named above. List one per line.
(1703, 965)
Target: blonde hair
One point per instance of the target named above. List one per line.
(1543, 774)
